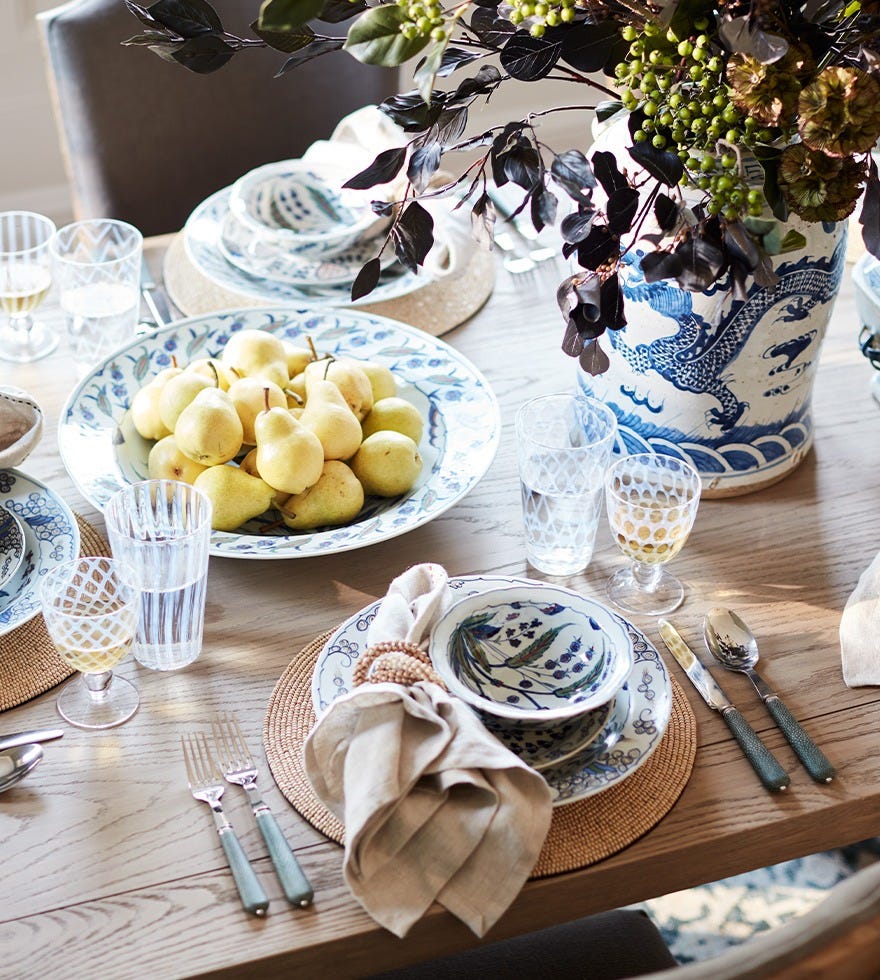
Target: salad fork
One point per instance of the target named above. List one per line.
(239, 769)
(206, 784)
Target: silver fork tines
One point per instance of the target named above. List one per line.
(239, 769)
(206, 784)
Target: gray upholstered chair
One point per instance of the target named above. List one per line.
(146, 141)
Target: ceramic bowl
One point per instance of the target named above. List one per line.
(288, 204)
(533, 653)
(11, 545)
(866, 278)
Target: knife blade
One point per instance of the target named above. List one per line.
(762, 760)
(157, 303)
(24, 738)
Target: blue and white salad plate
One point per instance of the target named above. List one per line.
(103, 452)
(638, 721)
(51, 536)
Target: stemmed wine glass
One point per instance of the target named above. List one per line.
(652, 502)
(91, 610)
(25, 278)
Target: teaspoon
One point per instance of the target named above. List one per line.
(734, 646)
(16, 762)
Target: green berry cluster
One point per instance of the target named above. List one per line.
(422, 20)
(679, 84)
(538, 15)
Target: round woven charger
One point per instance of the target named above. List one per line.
(29, 663)
(580, 834)
(436, 307)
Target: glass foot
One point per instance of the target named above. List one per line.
(116, 703)
(24, 346)
(628, 594)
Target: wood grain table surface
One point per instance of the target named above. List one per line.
(109, 868)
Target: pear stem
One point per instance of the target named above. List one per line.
(266, 398)
(314, 350)
(213, 367)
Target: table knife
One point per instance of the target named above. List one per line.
(25, 738)
(762, 760)
(154, 297)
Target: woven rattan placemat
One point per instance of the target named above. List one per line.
(29, 663)
(436, 307)
(580, 834)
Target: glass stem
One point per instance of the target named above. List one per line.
(22, 326)
(98, 684)
(647, 576)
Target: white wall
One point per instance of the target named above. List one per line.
(32, 175)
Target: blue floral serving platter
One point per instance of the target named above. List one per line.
(638, 721)
(51, 536)
(103, 452)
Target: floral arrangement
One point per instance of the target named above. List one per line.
(706, 87)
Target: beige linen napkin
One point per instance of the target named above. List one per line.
(434, 808)
(21, 426)
(859, 629)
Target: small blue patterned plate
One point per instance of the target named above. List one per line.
(103, 452)
(642, 707)
(11, 545)
(51, 536)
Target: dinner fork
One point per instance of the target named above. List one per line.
(239, 769)
(206, 784)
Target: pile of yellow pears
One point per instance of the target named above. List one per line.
(270, 424)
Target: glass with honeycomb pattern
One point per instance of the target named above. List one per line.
(652, 501)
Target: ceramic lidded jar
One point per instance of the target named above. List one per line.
(724, 384)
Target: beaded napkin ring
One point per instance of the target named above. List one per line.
(395, 662)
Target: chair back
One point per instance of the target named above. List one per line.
(146, 141)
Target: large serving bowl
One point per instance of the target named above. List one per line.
(532, 654)
(290, 205)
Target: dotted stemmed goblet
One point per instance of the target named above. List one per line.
(652, 502)
(91, 610)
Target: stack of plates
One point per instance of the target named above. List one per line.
(272, 236)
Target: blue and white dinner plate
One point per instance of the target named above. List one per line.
(103, 452)
(51, 536)
(203, 235)
(641, 712)
(11, 545)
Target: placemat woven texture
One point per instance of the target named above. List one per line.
(436, 307)
(581, 833)
(29, 663)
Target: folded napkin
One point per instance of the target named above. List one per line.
(21, 425)
(859, 646)
(434, 807)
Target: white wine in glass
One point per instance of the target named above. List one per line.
(25, 278)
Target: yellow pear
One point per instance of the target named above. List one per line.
(387, 464)
(209, 430)
(145, 406)
(346, 374)
(167, 462)
(327, 415)
(289, 456)
(208, 366)
(236, 496)
(249, 465)
(382, 381)
(296, 391)
(257, 353)
(396, 414)
(297, 357)
(335, 499)
(249, 395)
(179, 392)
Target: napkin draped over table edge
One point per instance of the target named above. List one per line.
(859, 644)
(434, 807)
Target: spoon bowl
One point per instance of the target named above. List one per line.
(734, 646)
(16, 762)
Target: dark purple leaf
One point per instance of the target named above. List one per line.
(666, 212)
(450, 125)
(485, 80)
(662, 165)
(203, 54)
(576, 226)
(589, 295)
(483, 221)
(586, 48)
(701, 263)
(622, 207)
(594, 360)
(423, 164)
(453, 58)
(491, 29)
(660, 265)
(411, 112)
(611, 302)
(413, 236)
(743, 37)
(598, 247)
(314, 48)
(543, 207)
(870, 216)
(384, 208)
(529, 58)
(522, 165)
(768, 157)
(607, 172)
(338, 11)
(385, 167)
(572, 171)
(572, 342)
(607, 109)
(367, 279)
(188, 18)
(740, 245)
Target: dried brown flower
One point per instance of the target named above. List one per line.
(819, 187)
(840, 112)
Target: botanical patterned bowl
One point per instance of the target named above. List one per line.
(533, 654)
(286, 203)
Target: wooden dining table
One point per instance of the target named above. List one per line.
(109, 868)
